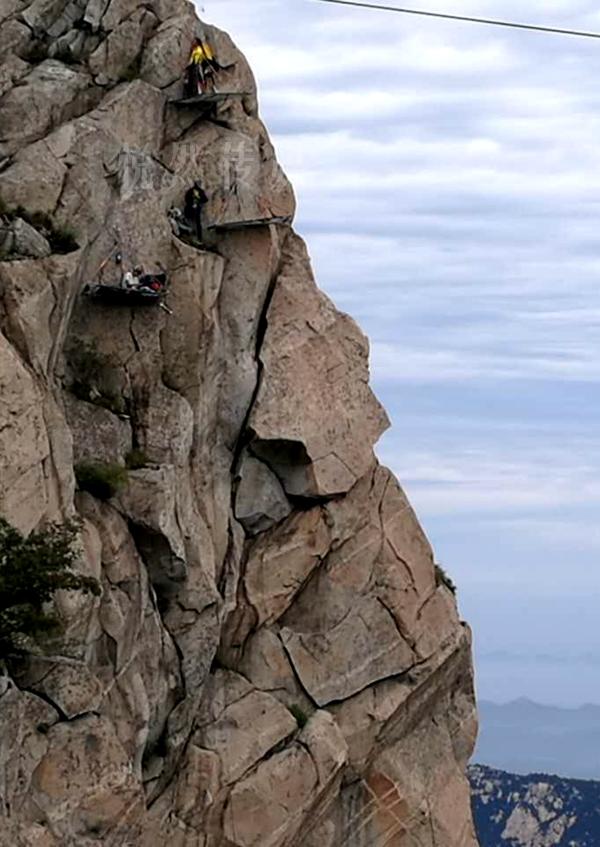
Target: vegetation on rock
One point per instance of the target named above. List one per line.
(62, 239)
(442, 578)
(89, 368)
(32, 570)
(37, 52)
(132, 71)
(101, 479)
(136, 459)
(300, 715)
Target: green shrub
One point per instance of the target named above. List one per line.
(89, 367)
(39, 220)
(136, 459)
(442, 578)
(101, 479)
(32, 569)
(37, 53)
(300, 715)
(111, 401)
(132, 71)
(88, 363)
(62, 239)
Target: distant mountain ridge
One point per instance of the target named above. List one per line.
(525, 737)
(535, 810)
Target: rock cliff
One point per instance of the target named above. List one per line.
(274, 659)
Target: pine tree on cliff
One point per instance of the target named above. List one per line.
(32, 570)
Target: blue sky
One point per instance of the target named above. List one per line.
(448, 180)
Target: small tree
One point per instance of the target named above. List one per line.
(32, 570)
(300, 715)
(136, 459)
(88, 365)
(90, 369)
(442, 578)
(101, 479)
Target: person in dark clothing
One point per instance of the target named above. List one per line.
(195, 199)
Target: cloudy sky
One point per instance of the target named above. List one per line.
(448, 178)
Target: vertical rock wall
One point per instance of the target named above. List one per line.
(273, 661)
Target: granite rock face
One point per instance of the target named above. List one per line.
(272, 662)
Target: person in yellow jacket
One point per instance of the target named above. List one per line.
(200, 75)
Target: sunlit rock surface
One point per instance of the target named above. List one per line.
(272, 662)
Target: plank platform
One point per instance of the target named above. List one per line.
(234, 225)
(208, 99)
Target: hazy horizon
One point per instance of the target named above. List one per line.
(525, 737)
(528, 701)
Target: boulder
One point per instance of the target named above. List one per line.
(245, 731)
(167, 52)
(280, 564)
(362, 649)
(51, 94)
(24, 445)
(29, 303)
(28, 241)
(266, 664)
(24, 720)
(73, 46)
(6, 240)
(311, 352)
(68, 685)
(87, 753)
(117, 54)
(98, 434)
(21, 240)
(327, 746)
(40, 15)
(94, 11)
(260, 501)
(14, 40)
(266, 808)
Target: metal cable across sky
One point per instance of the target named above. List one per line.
(465, 18)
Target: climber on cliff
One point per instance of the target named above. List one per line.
(132, 279)
(179, 225)
(195, 199)
(201, 70)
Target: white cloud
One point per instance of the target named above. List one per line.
(506, 481)
(448, 179)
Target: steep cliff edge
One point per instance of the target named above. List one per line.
(274, 661)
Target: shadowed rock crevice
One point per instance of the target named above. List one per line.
(167, 571)
(289, 461)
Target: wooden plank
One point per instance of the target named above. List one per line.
(233, 225)
(208, 98)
